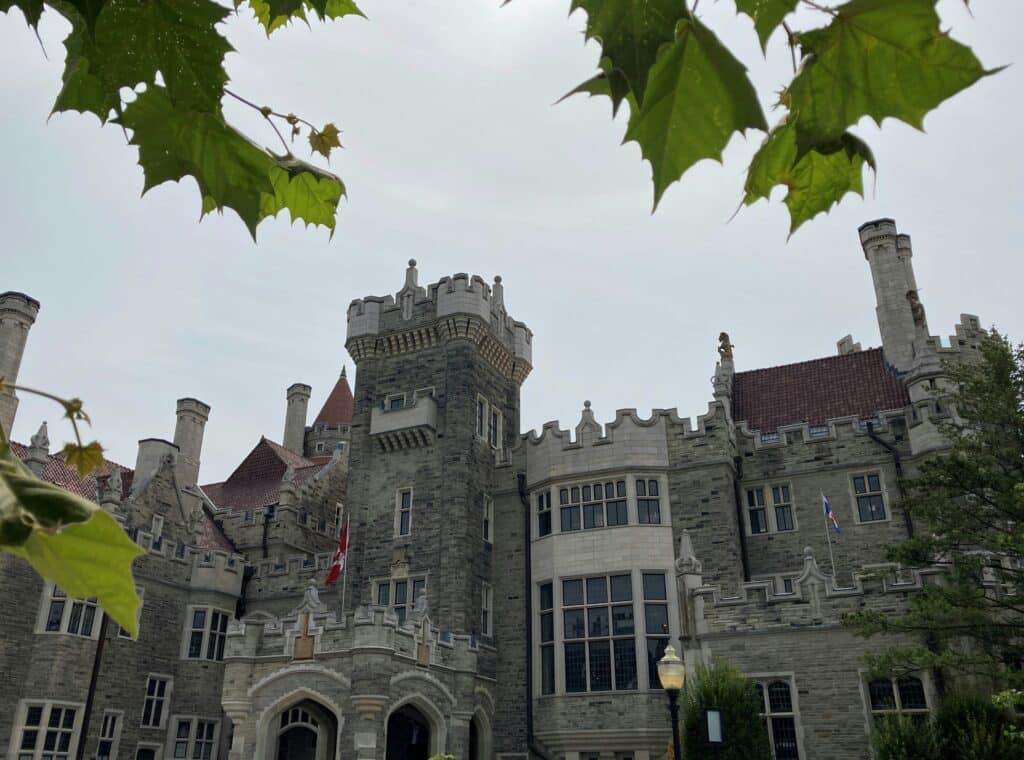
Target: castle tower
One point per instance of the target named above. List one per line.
(898, 309)
(192, 415)
(330, 429)
(436, 405)
(295, 417)
(17, 315)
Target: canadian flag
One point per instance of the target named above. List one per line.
(338, 563)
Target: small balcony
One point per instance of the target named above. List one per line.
(409, 427)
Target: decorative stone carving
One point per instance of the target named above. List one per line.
(916, 309)
(725, 347)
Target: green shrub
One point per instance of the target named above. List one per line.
(723, 688)
(897, 737)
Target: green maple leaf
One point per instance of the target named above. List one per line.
(334, 9)
(767, 15)
(877, 58)
(698, 95)
(609, 82)
(32, 9)
(325, 140)
(308, 192)
(89, 10)
(83, 90)
(68, 540)
(178, 38)
(816, 180)
(631, 32)
(85, 459)
(231, 171)
(274, 14)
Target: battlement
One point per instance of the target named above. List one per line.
(417, 317)
(833, 429)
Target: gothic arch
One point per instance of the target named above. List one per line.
(308, 668)
(426, 677)
(266, 733)
(484, 734)
(430, 711)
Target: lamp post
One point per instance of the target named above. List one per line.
(672, 675)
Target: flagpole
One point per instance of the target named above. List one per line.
(344, 572)
(828, 540)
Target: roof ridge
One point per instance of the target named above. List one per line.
(834, 357)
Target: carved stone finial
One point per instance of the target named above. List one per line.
(687, 562)
(289, 475)
(916, 308)
(725, 347)
(41, 440)
(115, 485)
(311, 597)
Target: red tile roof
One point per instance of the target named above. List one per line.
(256, 482)
(858, 384)
(337, 409)
(57, 472)
(211, 536)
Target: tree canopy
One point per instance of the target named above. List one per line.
(156, 69)
(967, 507)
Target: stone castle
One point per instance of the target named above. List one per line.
(507, 595)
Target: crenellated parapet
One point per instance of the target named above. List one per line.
(833, 429)
(457, 307)
(815, 600)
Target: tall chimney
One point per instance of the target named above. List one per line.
(17, 315)
(188, 437)
(295, 418)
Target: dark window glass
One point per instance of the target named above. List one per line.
(870, 508)
(784, 739)
(648, 511)
(641, 488)
(406, 499)
(597, 590)
(620, 489)
(881, 695)
(403, 524)
(547, 627)
(593, 516)
(787, 585)
(656, 618)
(195, 644)
(574, 626)
(199, 619)
(54, 617)
(779, 698)
(911, 694)
(655, 651)
(575, 491)
(783, 518)
(600, 666)
(617, 513)
(654, 586)
(417, 586)
(597, 621)
(873, 483)
(858, 484)
(547, 598)
(652, 487)
(401, 589)
(622, 588)
(572, 592)
(397, 402)
(622, 620)
(625, 663)
(570, 519)
(547, 670)
(544, 524)
(586, 493)
(609, 490)
(758, 521)
(575, 667)
(384, 594)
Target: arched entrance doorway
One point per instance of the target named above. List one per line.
(408, 735)
(474, 741)
(305, 731)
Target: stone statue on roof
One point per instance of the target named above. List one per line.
(725, 347)
(916, 308)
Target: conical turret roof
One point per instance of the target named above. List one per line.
(337, 409)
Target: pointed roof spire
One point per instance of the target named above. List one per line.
(337, 409)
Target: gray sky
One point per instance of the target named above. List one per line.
(456, 156)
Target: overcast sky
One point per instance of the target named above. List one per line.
(457, 156)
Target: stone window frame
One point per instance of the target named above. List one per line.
(486, 609)
(390, 399)
(557, 642)
(870, 713)
(115, 740)
(481, 416)
(543, 502)
(488, 522)
(789, 678)
(158, 750)
(49, 597)
(883, 492)
(165, 702)
(400, 509)
(391, 582)
(767, 487)
(782, 583)
(193, 720)
(207, 633)
(47, 705)
(553, 506)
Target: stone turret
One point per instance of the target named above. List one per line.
(17, 315)
(295, 417)
(188, 437)
(899, 311)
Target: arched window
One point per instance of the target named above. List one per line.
(779, 717)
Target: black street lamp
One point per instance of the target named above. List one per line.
(672, 674)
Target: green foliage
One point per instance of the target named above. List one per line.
(172, 51)
(964, 728)
(66, 538)
(688, 94)
(722, 687)
(968, 510)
